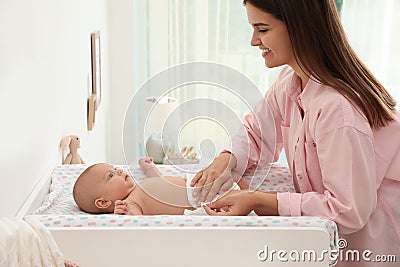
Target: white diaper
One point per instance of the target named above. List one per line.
(193, 200)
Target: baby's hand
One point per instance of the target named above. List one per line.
(148, 160)
(146, 164)
(120, 207)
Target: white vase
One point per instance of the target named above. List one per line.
(156, 146)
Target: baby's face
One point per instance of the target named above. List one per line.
(112, 183)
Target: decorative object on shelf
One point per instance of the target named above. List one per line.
(186, 156)
(157, 138)
(73, 157)
(159, 110)
(156, 145)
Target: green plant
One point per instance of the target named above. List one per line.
(339, 5)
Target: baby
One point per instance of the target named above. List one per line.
(101, 188)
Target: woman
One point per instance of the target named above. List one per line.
(336, 122)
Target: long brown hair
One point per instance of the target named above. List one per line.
(322, 50)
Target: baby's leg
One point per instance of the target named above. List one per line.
(147, 165)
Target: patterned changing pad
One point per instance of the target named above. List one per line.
(59, 209)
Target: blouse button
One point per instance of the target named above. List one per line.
(299, 176)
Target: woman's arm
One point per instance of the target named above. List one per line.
(347, 161)
(242, 202)
(266, 204)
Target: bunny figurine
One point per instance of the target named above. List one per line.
(73, 157)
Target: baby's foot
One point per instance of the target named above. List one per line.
(146, 164)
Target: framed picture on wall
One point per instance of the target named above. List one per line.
(96, 67)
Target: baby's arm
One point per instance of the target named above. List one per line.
(147, 165)
(122, 207)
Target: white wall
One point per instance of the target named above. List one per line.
(44, 67)
(121, 15)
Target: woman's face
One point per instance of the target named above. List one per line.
(271, 36)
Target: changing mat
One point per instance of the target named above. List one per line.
(59, 209)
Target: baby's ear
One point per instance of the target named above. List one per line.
(102, 203)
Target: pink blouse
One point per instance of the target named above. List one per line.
(342, 169)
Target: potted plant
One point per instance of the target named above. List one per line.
(339, 5)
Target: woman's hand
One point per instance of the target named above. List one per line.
(242, 202)
(234, 203)
(215, 179)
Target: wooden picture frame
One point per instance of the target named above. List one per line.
(96, 66)
(91, 111)
(94, 99)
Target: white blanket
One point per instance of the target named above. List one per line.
(27, 243)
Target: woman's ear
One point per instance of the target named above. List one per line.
(102, 203)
